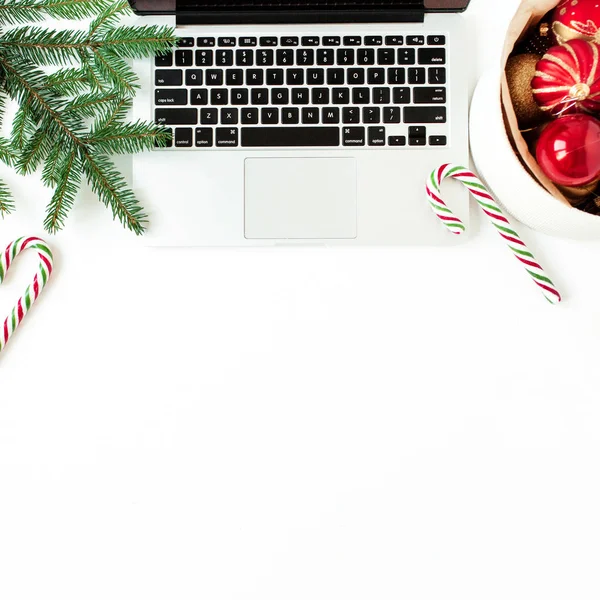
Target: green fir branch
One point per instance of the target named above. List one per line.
(68, 182)
(129, 138)
(13, 12)
(6, 202)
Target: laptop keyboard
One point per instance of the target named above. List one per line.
(304, 91)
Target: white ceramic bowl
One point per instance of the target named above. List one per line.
(515, 189)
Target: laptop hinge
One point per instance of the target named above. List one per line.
(288, 17)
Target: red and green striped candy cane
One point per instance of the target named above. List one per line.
(492, 210)
(33, 291)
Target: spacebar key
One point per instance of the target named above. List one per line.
(290, 136)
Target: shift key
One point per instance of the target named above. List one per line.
(425, 114)
(176, 116)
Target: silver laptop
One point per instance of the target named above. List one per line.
(303, 121)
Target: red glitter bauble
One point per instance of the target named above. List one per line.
(576, 19)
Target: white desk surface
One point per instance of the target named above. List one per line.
(294, 424)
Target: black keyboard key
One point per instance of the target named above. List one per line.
(331, 40)
(437, 140)
(376, 136)
(269, 116)
(356, 76)
(204, 137)
(386, 56)
(310, 41)
(168, 77)
(397, 140)
(250, 116)
(199, 97)
(244, 58)
(185, 42)
(184, 58)
(361, 95)
(274, 76)
(340, 96)
(164, 60)
(425, 114)
(394, 40)
(184, 137)
(290, 116)
(417, 132)
(437, 75)
(352, 40)
(209, 116)
(345, 56)
(268, 41)
(280, 96)
(300, 96)
(168, 97)
(432, 56)
(229, 116)
(214, 77)
(265, 58)
(310, 115)
(205, 42)
(401, 95)
(204, 58)
(416, 76)
(415, 40)
(219, 96)
(396, 76)
(335, 76)
(193, 77)
(353, 136)
(239, 97)
(176, 116)
(371, 114)
(259, 96)
(417, 141)
(375, 76)
(365, 56)
(226, 136)
(436, 40)
(285, 57)
(350, 114)
(290, 41)
(255, 77)
(429, 95)
(320, 96)
(227, 41)
(305, 57)
(315, 76)
(325, 56)
(290, 136)
(373, 40)
(224, 58)
(330, 115)
(234, 77)
(247, 41)
(406, 56)
(391, 114)
(381, 95)
(294, 77)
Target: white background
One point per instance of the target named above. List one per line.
(300, 423)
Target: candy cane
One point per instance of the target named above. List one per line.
(492, 210)
(33, 291)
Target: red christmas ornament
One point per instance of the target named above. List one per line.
(576, 19)
(567, 79)
(568, 150)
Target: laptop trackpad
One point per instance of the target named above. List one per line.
(300, 198)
